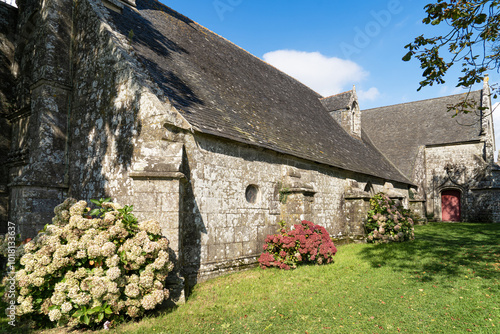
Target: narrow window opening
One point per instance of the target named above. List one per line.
(252, 194)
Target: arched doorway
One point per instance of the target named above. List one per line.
(450, 205)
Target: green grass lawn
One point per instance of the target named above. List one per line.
(446, 281)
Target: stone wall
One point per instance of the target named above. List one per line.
(228, 231)
(37, 158)
(125, 140)
(91, 124)
(8, 72)
(458, 167)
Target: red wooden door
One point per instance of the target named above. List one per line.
(450, 205)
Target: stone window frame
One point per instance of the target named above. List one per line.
(253, 194)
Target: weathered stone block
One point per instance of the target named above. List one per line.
(216, 253)
(234, 250)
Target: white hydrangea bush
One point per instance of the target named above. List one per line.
(92, 266)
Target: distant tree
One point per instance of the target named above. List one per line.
(473, 39)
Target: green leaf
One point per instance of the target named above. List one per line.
(94, 212)
(108, 310)
(78, 313)
(86, 319)
(94, 310)
(96, 202)
(100, 317)
(407, 56)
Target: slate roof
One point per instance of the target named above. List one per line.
(399, 130)
(225, 91)
(337, 102)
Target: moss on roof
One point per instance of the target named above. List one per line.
(225, 91)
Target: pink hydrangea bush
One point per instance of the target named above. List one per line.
(304, 243)
(388, 222)
(88, 267)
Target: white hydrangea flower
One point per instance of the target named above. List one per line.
(71, 247)
(77, 237)
(58, 298)
(111, 205)
(53, 230)
(113, 261)
(95, 222)
(44, 260)
(98, 288)
(82, 299)
(113, 273)
(133, 311)
(81, 254)
(66, 307)
(140, 238)
(73, 292)
(38, 281)
(24, 291)
(158, 295)
(86, 283)
(73, 221)
(133, 279)
(140, 260)
(133, 302)
(148, 302)
(55, 314)
(78, 208)
(150, 247)
(83, 223)
(30, 247)
(121, 305)
(27, 305)
(112, 287)
(98, 272)
(150, 226)
(159, 263)
(72, 281)
(118, 230)
(132, 290)
(26, 258)
(157, 285)
(61, 287)
(109, 217)
(64, 215)
(51, 269)
(146, 280)
(94, 251)
(80, 273)
(108, 249)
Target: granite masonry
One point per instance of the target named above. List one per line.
(132, 100)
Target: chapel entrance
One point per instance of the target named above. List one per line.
(450, 205)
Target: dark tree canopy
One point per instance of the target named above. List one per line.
(472, 41)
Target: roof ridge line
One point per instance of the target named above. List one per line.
(429, 99)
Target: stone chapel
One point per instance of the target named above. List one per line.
(131, 100)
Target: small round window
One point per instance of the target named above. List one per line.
(252, 194)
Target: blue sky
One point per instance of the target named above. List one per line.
(330, 45)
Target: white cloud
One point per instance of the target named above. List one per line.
(447, 90)
(370, 94)
(325, 75)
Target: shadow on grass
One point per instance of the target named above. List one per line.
(443, 251)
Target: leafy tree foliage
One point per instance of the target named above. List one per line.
(472, 40)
